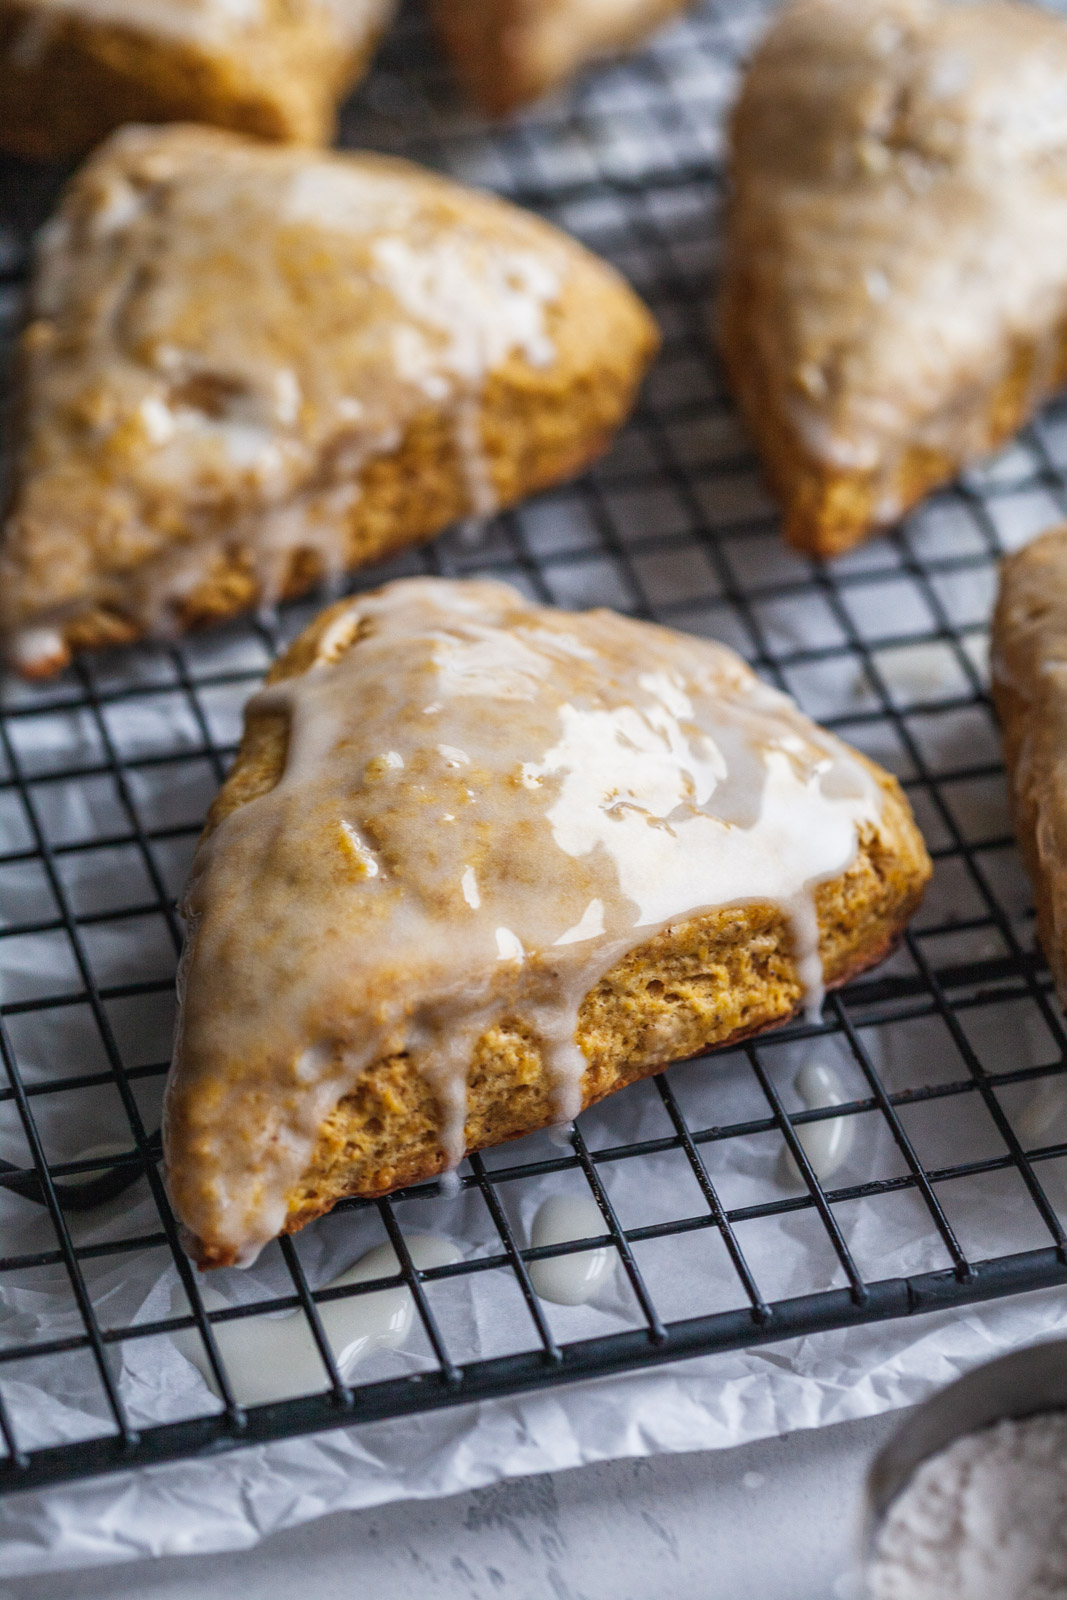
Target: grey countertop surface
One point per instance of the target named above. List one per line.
(775, 1520)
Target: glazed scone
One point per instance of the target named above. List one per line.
(249, 366)
(506, 52)
(480, 863)
(71, 70)
(894, 299)
(1029, 673)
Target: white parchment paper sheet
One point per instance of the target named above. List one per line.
(234, 1501)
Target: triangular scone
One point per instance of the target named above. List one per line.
(894, 299)
(1030, 689)
(249, 366)
(506, 52)
(71, 70)
(480, 863)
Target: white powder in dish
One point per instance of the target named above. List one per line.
(984, 1520)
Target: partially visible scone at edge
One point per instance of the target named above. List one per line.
(480, 863)
(506, 52)
(71, 70)
(1029, 673)
(248, 367)
(894, 297)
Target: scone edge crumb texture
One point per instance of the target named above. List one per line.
(839, 134)
(87, 522)
(1029, 680)
(704, 982)
(68, 75)
(707, 983)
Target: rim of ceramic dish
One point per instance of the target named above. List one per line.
(1024, 1383)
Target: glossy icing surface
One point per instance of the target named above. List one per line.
(485, 804)
(901, 215)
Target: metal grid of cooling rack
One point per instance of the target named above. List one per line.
(956, 1191)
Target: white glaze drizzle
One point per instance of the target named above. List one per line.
(274, 1357)
(573, 1279)
(593, 778)
(827, 1144)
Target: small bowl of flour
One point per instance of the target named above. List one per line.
(969, 1499)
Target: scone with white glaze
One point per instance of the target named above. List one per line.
(894, 298)
(506, 52)
(1029, 675)
(71, 70)
(480, 863)
(248, 367)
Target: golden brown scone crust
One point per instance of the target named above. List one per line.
(893, 300)
(68, 78)
(826, 511)
(90, 520)
(708, 981)
(508, 52)
(1030, 691)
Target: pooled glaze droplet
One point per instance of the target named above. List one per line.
(274, 1357)
(805, 926)
(826, 1144)
(1046, 1108)
(569, 1280)
(34, 650)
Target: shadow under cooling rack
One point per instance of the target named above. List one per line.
(952, 1187)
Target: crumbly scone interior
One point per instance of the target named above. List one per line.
(1029, 675)
(454, 819)
(228, 339)
(895, 289)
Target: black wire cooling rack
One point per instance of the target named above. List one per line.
(948, 1048)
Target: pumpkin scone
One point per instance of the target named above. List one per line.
(506, 52)
(480, 863)
(894, 299)
(248, 367)
(1029, 675)
(71, 70)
